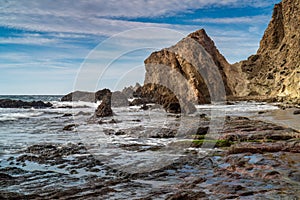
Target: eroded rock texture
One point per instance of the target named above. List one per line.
(275, 69)
(195, 70)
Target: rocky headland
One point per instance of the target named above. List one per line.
(271, 74)
(249, 158)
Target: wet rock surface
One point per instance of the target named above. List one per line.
(261, 162)
(8, 103)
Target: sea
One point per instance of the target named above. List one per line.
(21, 128)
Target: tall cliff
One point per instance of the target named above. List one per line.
(275, 70)
(193, 68)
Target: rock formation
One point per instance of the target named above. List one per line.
(86, 96)
(129, 91)
(275, 70)
(193, 68)
(104, 109)
(194, 72)
(118, 99)
(8, 103)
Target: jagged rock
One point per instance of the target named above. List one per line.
(8, 103)
(118, 99)
(275, 70)
(104, 109)
(193, 69)
(85, 96)
(129, 91)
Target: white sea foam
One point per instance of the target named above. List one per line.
(19, 115)
(74, 104)
(238, 108)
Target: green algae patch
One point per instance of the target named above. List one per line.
(217, 143)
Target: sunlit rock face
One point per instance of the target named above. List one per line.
(193, 69)
(275, 69)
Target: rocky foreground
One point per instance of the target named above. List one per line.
(253, 160)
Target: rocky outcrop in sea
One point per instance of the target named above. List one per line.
(9, 103)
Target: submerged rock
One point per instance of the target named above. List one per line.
(69, 127)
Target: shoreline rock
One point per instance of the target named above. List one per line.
(86, 96)
(8, 103)
(104, 109)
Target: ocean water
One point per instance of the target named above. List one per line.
(21, 128)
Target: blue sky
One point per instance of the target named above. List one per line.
(49, 46)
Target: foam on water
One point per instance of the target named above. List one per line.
(12, 116)
(74, 104)
(239, 108)
(46, 125)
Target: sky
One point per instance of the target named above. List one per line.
(57, 46)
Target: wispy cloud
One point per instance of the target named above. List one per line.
(27, 40)
(235, 20)
(98, 16)
(120, 8)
